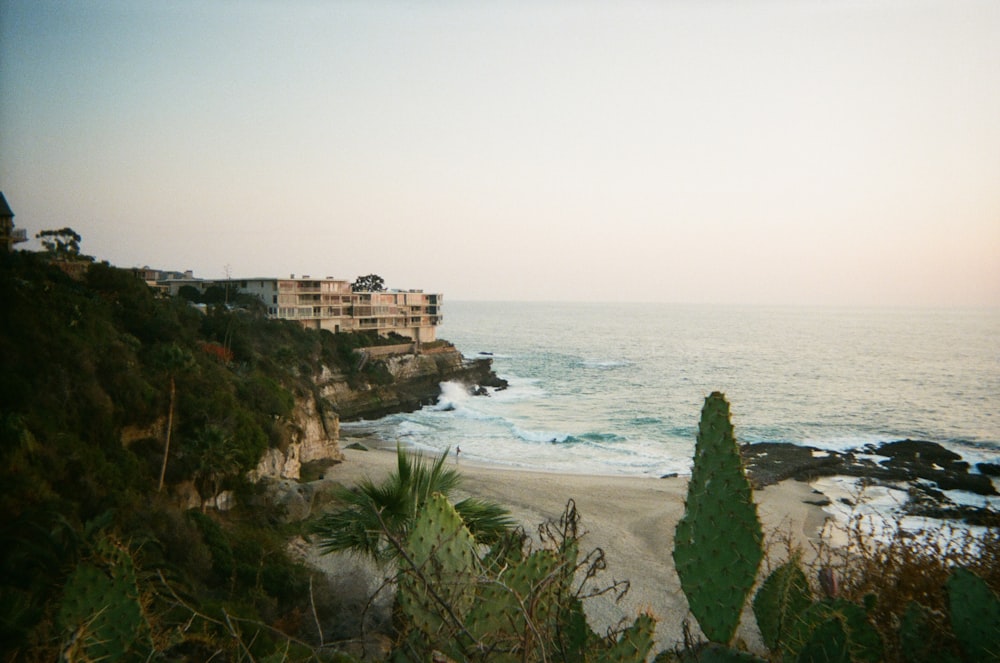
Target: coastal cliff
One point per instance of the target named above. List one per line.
(407, 382)
(395, 383)
(102, 372)
(130, 423)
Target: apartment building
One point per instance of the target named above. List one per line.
(330, 304)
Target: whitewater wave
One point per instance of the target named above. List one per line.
(453, 396)
(538, 436)
(604, 364)
(597, 438)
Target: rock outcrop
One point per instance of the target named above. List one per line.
(925, 469)
(315, 437)
(408, 382)
(399, 383)
(902, 461)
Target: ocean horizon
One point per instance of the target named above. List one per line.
(617, 388)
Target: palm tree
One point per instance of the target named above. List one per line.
(376, 515)
(216, 458)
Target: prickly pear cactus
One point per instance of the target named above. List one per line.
(717, 545)
(710, 652)
(833, 630)
(780, 600)
(828, 643)
(920, 641)
(575, 637)
(441, 583)
(975, 615)
(633, 645)
(101, 613)
(514, 611)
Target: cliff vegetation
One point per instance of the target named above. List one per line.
(126, 418)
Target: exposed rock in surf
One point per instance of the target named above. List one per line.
(904, 461)
(926, 469)
(989, 469)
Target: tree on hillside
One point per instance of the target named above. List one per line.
(369, 283)
(64, 242)
(190, 293)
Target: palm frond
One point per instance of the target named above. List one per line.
(488, 521)
(375, 514)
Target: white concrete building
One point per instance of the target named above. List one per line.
(330, 304)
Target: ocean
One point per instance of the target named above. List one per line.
(618, 388)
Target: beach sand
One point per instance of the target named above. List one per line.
(631, 519)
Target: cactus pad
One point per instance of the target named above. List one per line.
(519, 604)
(780, 600)
(975, 615)
(832, 628)
(717, 545)
(633, 645)
(100, 612)
(441, 583)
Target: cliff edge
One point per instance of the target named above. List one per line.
(400, 382)
(406, 382)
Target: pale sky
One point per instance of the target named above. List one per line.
(762, 152)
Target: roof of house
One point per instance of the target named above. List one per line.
(5, 209)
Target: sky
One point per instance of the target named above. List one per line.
(799, 152)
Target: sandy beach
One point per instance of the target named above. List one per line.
(631, 519)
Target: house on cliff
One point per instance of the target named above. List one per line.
(9, 235)
(330, 304)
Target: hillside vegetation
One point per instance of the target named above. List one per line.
(100, 560)
(90, 366)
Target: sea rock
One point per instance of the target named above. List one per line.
(930, 461)
(771, 462)
(918, 451)
(926, 469)
(905, 461)
(989, 469)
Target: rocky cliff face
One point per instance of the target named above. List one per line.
(315, 436)
(410, 382)
(402, 383)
